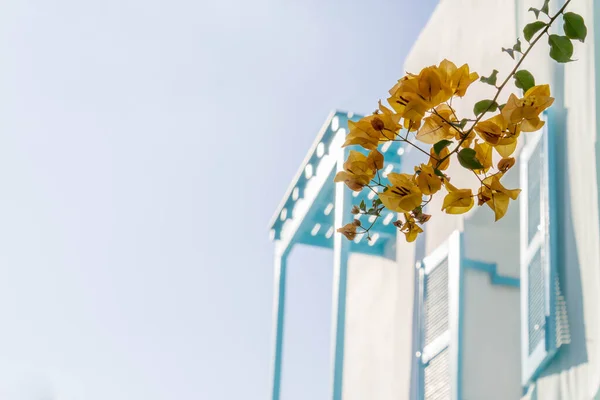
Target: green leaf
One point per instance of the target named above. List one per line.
(532, 28)
(544, 8)
(510, 52)
(439, 173)
(460, 124)
(561, 48)
(524, 80)
(517, 46)
(485, 105)
(490, 80)
(467, 158)
(439, 146)
(501, 106)
(362, 205)
(377, 202)
(574, 26)
(535, 11)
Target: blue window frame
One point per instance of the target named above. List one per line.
(541, 335)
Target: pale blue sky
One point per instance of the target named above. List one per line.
(144, 146)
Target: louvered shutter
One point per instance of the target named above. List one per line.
(439, 278)
(540, 289)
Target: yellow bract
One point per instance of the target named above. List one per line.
(414, 95)
(527, 109)
(499, 133)
(496, 196)
(403, 195)
(427, 181)
(458, 79)
(410, 228)
(371, 130)
(457, 201)
(434, 159)
(359, 169)
(484, 156)
(435, 127)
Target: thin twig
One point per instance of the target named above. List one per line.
(512, 73)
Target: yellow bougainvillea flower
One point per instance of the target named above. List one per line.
(505, 164)
(432, 87)
(414, 95)
(496, 196)
(499, 133)
(491, 130)
(359, 169)
(527, 109)
(410, 228)
(371, 130)
(406, 100)
(483, 153)
(457, 201)
(458, 79)
(403, 195)
(427, 181)
(375, 160)
(434, 159)
(468, 140)
(348, 230)
(435, 127)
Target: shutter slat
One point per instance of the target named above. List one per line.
(436, 302)
(536, 302)
(437, 377)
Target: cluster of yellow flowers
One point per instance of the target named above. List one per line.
(421, 104)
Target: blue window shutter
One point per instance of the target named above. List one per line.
(541, 335)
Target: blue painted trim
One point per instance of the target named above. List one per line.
(416, 383)
(596, 26)
(279, 298)
(341, 252)
(492, 270)
(460, 316)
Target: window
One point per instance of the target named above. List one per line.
(542, 328)
(439, 278)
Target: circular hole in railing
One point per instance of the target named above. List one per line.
(308, 171)
(315, 229)
(335, 123)
(320, 149)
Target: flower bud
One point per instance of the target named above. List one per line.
(506, 163)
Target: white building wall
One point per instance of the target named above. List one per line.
(378, 342)
(490, 344)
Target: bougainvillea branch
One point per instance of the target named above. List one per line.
(422, 103)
